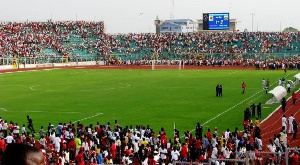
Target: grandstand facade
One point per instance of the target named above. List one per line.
(176, 26)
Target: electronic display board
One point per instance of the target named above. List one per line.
(216, 21)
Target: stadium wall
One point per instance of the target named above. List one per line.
(2, 67)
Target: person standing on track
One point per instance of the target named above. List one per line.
(243, 87)
(294, 97)
(284, 122)
(283, 104)
(295, 127)
(291, 119)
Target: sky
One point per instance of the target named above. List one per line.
(126, 16)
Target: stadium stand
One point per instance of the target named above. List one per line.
(88, 39)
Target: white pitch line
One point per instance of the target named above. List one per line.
(64, 112)
(3, 109)
(97, 114)
(34, 111)
(105, 89)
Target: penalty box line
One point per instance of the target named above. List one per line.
(97, 114)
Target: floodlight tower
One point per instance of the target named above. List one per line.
(172, 10)
(252, 14)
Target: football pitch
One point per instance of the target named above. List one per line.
(157, 98)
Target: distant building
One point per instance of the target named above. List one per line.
(186, 25)
(232, 25)
(175, 26)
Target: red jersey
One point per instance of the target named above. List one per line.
(208, 135)
(294, 96)
(113, 150)
(243, 85)
(79, 158)
(2, 144)
(198, 144)
(183, 152)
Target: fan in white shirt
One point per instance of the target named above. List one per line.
(175, 154)
(9, 139)
(163, 153)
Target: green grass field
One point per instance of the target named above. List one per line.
(157, 98)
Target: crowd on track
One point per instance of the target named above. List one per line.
(28, 39)
(75, 143)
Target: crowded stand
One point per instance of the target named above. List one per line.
(70, 143)
(81, 38)
(99, 143)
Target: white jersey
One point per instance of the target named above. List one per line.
(291, 119)
(175, 155)
(284, 121)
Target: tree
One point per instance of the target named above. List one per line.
(290, 29)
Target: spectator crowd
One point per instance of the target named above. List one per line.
(69, 143)
(68, 38)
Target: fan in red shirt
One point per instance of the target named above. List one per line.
(183, 152)
(163, 139)
(295, 159)
(151, 160)
(79, 158)
(72, 149)
(198, 144)
(208, 135)
(113, 150)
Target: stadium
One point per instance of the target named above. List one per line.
(190, 93)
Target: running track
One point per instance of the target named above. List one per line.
(273, 125)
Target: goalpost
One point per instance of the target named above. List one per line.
(167, 64)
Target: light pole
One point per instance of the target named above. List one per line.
(252, 20)
(141, 19)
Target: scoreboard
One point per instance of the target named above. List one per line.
(216, 21)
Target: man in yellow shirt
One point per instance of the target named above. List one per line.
(78, 144)
(145, 142)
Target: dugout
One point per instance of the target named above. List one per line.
(297, 79)
(278, 92)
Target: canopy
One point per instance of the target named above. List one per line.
(279, 92)
(297, 76)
